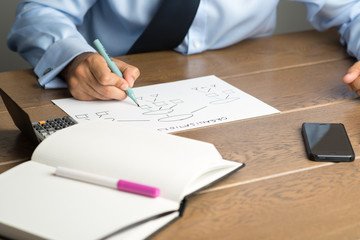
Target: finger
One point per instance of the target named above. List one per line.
(84, 86)
(106, 92)
(355, 85)
(352, 74)
(86, 92)
(93, 92)
(130, 72)
(104, 82)
(349, 87)
(358, 92)
(110, 92)
(102, 72)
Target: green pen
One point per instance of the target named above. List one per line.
(101, 50)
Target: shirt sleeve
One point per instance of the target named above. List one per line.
(344, 14)
(45, 34)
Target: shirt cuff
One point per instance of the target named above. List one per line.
(350, 35)
(55, 59)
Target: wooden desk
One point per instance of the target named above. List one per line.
(279, 194)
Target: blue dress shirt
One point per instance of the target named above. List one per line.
(50, 33)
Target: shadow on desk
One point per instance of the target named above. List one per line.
(17, 146)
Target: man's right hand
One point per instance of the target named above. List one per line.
(89, 78)
(352, 78)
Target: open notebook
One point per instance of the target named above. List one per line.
(36, 204)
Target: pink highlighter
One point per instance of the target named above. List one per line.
(108, 182)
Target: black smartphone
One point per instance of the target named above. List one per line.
(327, 142)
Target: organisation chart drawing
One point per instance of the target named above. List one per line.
(175, 106)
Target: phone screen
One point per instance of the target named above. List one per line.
(327, 142)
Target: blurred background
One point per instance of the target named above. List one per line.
(291, 18)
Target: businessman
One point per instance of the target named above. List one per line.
(55, 36)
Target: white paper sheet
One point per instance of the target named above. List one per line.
(175, 106)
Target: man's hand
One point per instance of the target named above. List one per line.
(89, 78)
(352, 78)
